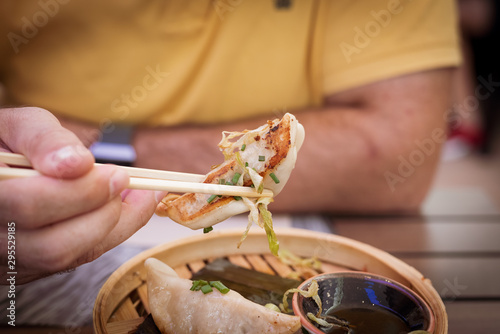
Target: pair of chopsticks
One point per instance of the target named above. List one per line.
(142, 178)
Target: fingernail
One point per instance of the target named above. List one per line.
(66, 154)
(66, 159)
(118, 182)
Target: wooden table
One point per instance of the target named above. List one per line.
(457, 247)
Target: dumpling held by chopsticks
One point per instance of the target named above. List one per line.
(263, 158)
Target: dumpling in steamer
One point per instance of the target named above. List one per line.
(269, 149)
(177, 309)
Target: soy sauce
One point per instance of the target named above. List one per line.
(369, 320)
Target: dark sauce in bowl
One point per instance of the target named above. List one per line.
(367, 320)
(362, 303)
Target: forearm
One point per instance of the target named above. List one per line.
(359, 157)
(351, 161)
(343, 165)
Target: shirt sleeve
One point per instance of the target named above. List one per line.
(367, 41)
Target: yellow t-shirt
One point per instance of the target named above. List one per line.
(172, 61)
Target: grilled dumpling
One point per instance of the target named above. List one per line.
(265, 155)
(176, 309)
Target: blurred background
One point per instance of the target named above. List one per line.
(454, 242)
(471, 157)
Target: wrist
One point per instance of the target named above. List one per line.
(115, 146)
(184, 149)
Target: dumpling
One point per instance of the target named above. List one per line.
(178, 310)
(265, 156)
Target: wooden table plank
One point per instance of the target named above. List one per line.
(461, 256)
(428, 236)
(473, 317)
(472, 277)
(460, 200)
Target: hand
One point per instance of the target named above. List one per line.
(74, 212)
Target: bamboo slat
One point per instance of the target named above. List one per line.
(123, 326)
(259, 264)
(125, 311)
(241, 261)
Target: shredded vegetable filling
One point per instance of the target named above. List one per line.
(259, 213)
(312, 292)
(262, 158)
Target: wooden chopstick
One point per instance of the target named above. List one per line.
(159, 184)
(15, 159)
(142, 178)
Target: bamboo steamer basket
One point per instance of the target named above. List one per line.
(122, 302)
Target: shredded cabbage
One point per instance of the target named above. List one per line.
(240, 162)
(319, 321)
(257, 180)
(311, 292)
(260, 215)
(289, 258)
(304, 267)
(273, 307)
(227, 146)
(230, 145)
(266, 216)
(253, 217)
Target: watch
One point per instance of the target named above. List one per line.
(115, 146)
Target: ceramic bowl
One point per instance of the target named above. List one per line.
(369, 303)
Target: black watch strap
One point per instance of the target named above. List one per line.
(115, 146)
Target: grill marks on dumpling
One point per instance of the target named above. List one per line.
(275, 141)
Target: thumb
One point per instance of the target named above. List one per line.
(51, 149)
